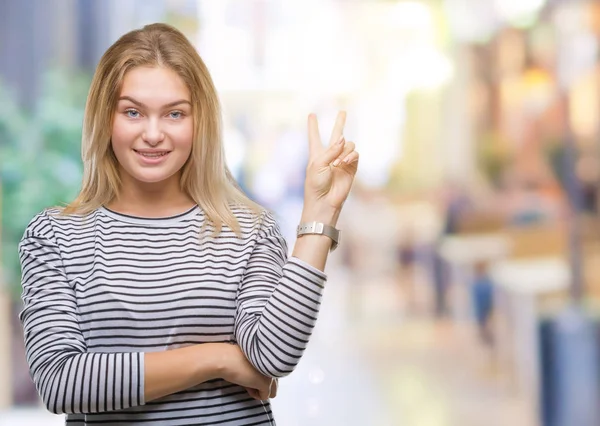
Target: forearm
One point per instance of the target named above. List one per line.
(88, 382)
(175, 370)
(103, 382)
(275, 337)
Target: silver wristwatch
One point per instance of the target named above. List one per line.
(320, 229)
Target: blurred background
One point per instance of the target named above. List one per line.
(466, 288)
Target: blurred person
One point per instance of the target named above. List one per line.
(440, 278)
(588, 176)
(455, 204)
(482, 297)
(406, 253)
(162, 294)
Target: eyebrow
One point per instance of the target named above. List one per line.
(141, 105)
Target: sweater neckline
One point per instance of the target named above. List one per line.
(151, 221)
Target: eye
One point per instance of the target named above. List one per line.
(176, 115)
(132, 113)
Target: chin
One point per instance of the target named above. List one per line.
(152, 178)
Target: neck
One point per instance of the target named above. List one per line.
(151, 199)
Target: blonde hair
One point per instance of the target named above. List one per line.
(205, 177)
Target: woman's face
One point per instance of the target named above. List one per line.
(153, 125)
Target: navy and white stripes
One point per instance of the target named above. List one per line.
(102, 290)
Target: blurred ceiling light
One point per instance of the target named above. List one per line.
(420, 68)
(519, 12)
(471, 20)
(313, 407)
(410, 14)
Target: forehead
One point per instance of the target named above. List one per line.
(154, 84)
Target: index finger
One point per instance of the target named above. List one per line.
(314, 139)
(338, 128)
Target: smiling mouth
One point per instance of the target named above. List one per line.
(147, 154)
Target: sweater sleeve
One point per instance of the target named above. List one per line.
(68, 378)
(277, 304)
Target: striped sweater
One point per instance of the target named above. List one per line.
(101, 291)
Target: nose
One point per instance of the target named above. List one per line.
(153, 135)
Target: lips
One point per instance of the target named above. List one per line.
(151, 157)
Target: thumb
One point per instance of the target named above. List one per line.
(332, 152)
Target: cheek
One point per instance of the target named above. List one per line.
(122, 136)
(183, 137)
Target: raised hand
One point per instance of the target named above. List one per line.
(331, 170)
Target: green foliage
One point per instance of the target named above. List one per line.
(40, 162)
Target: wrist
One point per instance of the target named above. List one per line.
(219, 356)
(327, 215)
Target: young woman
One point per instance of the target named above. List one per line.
(163, 295)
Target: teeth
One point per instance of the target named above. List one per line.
(152, 155)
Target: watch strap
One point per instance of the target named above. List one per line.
(320, 228)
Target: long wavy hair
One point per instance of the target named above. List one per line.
(205, 177)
